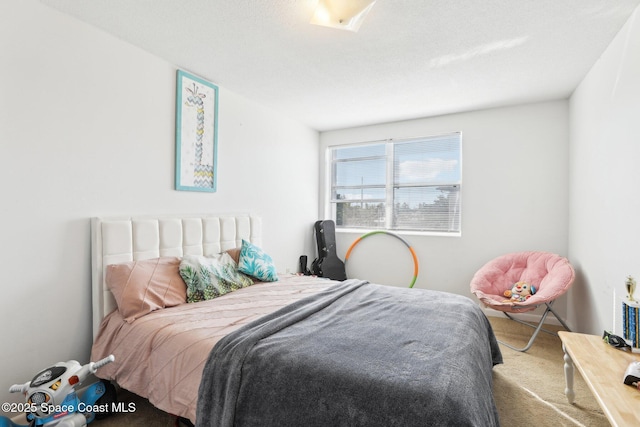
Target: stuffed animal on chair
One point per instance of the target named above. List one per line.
(520, 292)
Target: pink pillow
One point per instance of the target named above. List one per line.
(141, 287)
(235, 254)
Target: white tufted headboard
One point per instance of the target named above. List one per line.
(123, 239)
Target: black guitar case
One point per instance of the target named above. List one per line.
(327, 264)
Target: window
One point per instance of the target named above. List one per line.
(409, 184)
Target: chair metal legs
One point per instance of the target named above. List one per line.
(537, 327)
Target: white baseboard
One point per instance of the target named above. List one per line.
(527, 317)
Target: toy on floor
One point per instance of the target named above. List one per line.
(520, 292)
(51, 399)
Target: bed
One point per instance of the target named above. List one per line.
(299, 350)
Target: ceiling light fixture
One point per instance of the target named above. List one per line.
(342, 14)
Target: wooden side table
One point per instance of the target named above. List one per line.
(602, 367)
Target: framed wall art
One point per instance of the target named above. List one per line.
(196, 133)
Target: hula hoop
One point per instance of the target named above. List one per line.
(413, 253)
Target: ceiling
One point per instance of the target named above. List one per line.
(410, 58)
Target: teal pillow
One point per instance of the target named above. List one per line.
(255, 262)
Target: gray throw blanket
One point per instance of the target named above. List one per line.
(357, 354)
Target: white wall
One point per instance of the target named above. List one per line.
(604, 233)
(514, 195)
(87, 129)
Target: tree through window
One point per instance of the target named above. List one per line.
(409, 184)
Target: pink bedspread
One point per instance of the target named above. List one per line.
(161, 356)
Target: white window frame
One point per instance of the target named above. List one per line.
(331, 204)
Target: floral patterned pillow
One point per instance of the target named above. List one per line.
(211, 277)
(256, 263)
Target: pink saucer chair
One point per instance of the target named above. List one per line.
(551, 275)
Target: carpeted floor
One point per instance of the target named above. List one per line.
(528, 388)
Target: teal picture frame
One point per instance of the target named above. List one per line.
(196, 133)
